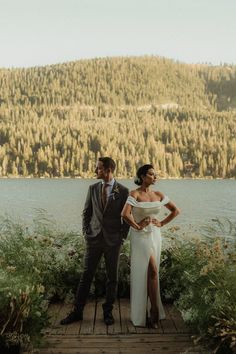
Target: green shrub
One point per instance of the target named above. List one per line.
(23, 309)
(199, 274)
(54, 258)
(36, 266)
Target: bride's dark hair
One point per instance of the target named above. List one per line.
(142, 171)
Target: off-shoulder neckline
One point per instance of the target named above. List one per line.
(154, 201)
(164, 201)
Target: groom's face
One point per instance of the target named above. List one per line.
(100, 170)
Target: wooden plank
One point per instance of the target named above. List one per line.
(99, 326)
(73, 328)
(121, 347)
(125, 338)
(61, 344)
(57, 328)
(120, 344)
(87, 325)
(178, 320)
(126, 324)
(148, 329)
(116, 328)
(140, 349)
(115, 351)
(168, 324)
(126, 344)
(93, 336)
(53, 312)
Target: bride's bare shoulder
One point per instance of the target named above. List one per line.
(160, 195)
(134, 193)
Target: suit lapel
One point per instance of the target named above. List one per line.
(100, 196)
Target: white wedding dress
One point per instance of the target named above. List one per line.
(144, 243)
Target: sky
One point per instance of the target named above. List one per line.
(43, 32)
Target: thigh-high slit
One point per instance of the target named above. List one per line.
(143, 246)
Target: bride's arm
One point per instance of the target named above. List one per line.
(174, 212)
(173, 209)
(128, 216)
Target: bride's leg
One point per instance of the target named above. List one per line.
(152, 283)
(152, 288)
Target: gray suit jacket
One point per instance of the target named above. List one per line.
(108, 221)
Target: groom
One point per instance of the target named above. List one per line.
(104, 232)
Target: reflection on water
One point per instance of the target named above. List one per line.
(200, 201)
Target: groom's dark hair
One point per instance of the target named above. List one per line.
(108, 162)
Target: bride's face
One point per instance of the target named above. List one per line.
(150, 177)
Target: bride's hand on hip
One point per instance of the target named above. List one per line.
(156, 223)
(144, 222)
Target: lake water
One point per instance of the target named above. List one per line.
(200, 201)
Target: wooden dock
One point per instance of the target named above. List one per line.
(92, 336)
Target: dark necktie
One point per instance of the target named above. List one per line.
(104, 194)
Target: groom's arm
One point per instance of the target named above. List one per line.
(87, 212)
(125, 226)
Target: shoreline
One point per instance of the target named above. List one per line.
(207, 178)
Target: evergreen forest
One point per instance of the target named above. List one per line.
(56, 120)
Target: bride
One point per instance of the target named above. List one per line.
(141, 212)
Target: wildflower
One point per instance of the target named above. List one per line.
(40, 289)
(217, 246)
(204, 270)
(71, 252)
(36, 270)
(11, 268)
(207, 252)
(174, 228)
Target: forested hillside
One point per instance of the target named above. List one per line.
(56, 120)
